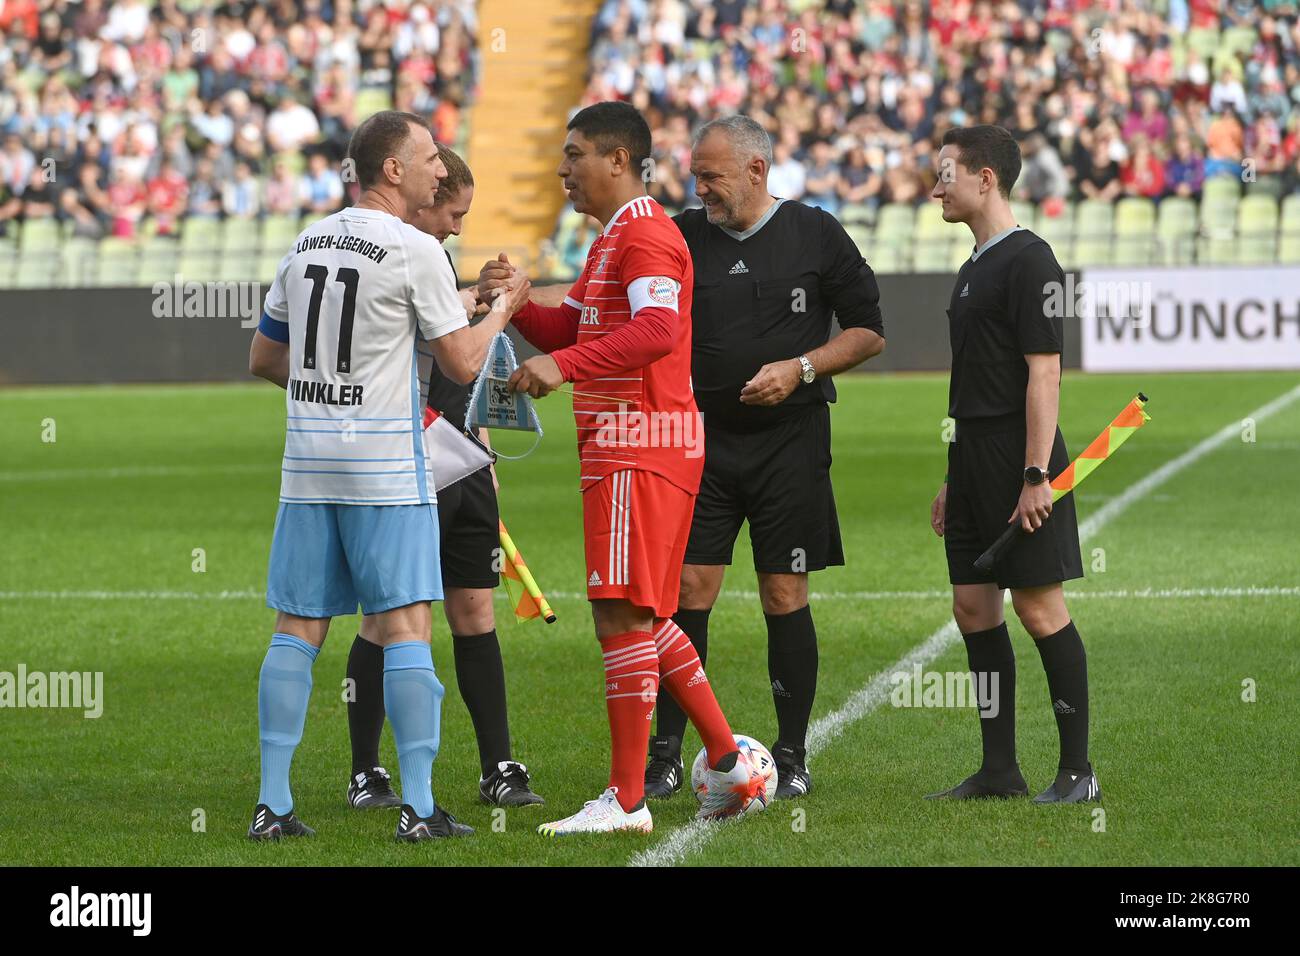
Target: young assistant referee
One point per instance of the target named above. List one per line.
(1004, 395)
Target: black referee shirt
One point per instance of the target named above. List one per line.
(997, 316)
(447, 396)
(767, 295)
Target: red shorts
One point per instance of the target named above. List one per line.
(636, 524)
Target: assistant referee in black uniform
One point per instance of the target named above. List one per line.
(769, 274)
(1004, 395)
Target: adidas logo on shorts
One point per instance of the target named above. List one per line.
(594, 581)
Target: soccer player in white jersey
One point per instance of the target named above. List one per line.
(357, 521)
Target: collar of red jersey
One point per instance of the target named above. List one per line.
(613, 220)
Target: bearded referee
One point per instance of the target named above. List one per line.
(769, 275)
(1004, 395)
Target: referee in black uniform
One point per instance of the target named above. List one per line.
(769, 274)
(1004, 394)
(468, 544)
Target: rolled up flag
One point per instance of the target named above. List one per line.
(525, 596)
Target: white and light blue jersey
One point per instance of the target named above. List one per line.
(349, 299)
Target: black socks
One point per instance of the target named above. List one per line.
(481, 677)
(1066, 664)
(989, 653)
(792, 668)
(366, 710)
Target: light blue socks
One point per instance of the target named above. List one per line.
(282, 694)
(413, 700)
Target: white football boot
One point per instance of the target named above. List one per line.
(603, 815)
(729, 792)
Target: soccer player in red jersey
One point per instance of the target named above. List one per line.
(623, 338)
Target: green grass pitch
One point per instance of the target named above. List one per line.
(100, 527)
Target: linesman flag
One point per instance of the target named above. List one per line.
(526, 597)
(1103, 446)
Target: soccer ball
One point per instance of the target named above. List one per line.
(759, 756)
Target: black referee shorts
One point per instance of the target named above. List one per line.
(986, 467)
(777, 479)
(469, 532)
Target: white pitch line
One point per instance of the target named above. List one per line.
(862, 702)
(251, 594)
(133, 471)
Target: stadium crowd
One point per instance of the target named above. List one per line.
(1109, 98)
(116, 112)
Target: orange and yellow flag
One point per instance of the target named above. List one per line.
(1103, 446)
(525, 596)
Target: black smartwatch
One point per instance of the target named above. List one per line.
(1035, 475)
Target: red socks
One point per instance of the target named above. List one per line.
(631, 686)
(683, 677)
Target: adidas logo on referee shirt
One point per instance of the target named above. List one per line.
(739, 268)
(965, 291)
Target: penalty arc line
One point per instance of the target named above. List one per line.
(695, 835)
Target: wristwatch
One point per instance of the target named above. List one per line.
(806, 370)
(1035, 475)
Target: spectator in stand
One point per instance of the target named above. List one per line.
(787, 178)
(168, 196)
(1229, 93)
(1143, 174)
(1149, 121)
(1185, 170)
(292, 126)
(320, 190)
(241, 198)
(1042, 174)
(1099, 177)
(16, 164)
(1225, 145)
(1291, 177)
(860, 180)
(205, 193)
(1264, 146)
(282, 190)
(87, 205)
(41, 197)
(127, 201)
(11, 208)
(822, 188)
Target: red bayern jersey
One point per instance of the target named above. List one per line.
(642, 418)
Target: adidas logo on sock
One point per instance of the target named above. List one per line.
(739, 268)
(594, 581)
(1061, 707)
(779, 690)
(697, 678)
